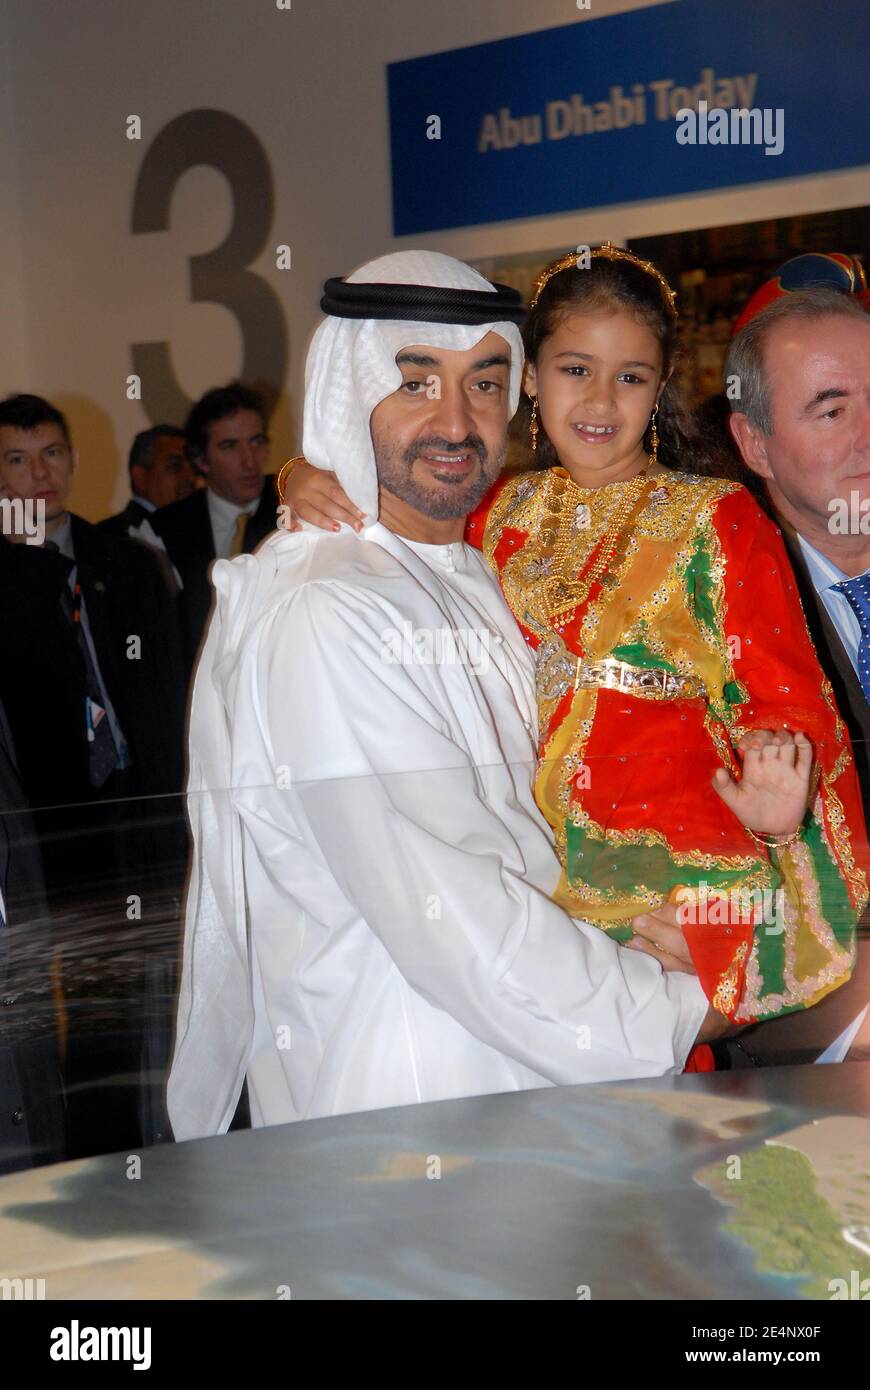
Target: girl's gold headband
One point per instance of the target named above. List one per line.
(612, 253)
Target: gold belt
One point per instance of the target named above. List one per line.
(610, 674)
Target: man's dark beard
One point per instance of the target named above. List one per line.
(395, 475)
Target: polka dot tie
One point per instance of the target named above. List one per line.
(857, 591)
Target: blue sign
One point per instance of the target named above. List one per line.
(677, 98)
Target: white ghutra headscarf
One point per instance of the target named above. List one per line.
(351, 366)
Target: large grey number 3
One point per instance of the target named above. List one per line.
(220, 276)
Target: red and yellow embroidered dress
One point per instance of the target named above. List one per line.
(692, 635)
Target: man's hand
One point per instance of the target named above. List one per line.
(659, 934)
(715, 1026)
(315, 495)
(771, 797)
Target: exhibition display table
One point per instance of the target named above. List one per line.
(734, 1185)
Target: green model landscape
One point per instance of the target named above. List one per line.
(783, 1217)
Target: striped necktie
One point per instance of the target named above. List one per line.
(857, 592)
(102, 752)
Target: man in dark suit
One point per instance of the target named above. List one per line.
(160, 474)
(31, 1090)
(90, 677)
(835, 660)
(228, 444)
(801, 422)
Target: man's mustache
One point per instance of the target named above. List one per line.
(434, 445)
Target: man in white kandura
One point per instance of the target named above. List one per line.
(368, 919)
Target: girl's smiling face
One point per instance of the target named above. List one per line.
(597, 379)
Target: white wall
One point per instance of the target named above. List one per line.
(15, 363)
(311, 83)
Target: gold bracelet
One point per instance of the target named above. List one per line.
(776, 841)
(284, 474)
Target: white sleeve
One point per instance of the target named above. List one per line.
(402, 821)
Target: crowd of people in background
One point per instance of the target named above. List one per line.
(100, 629)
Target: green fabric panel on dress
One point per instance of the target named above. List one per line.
(770, 956)
(837, 908)
(700, 584)
(733, 693)
(617, 870)
(619, 931)
(636, 654)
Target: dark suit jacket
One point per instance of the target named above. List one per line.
(31, 1090)
(185, 530)
(43, 683)
(803, 1036)
(834, 659)
(132, 515)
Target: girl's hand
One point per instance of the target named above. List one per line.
(314, 495)
(771, 797)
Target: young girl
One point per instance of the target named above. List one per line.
(690, 749)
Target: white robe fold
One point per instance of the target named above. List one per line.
(368, 920)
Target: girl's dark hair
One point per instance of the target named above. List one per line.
(617, 284)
